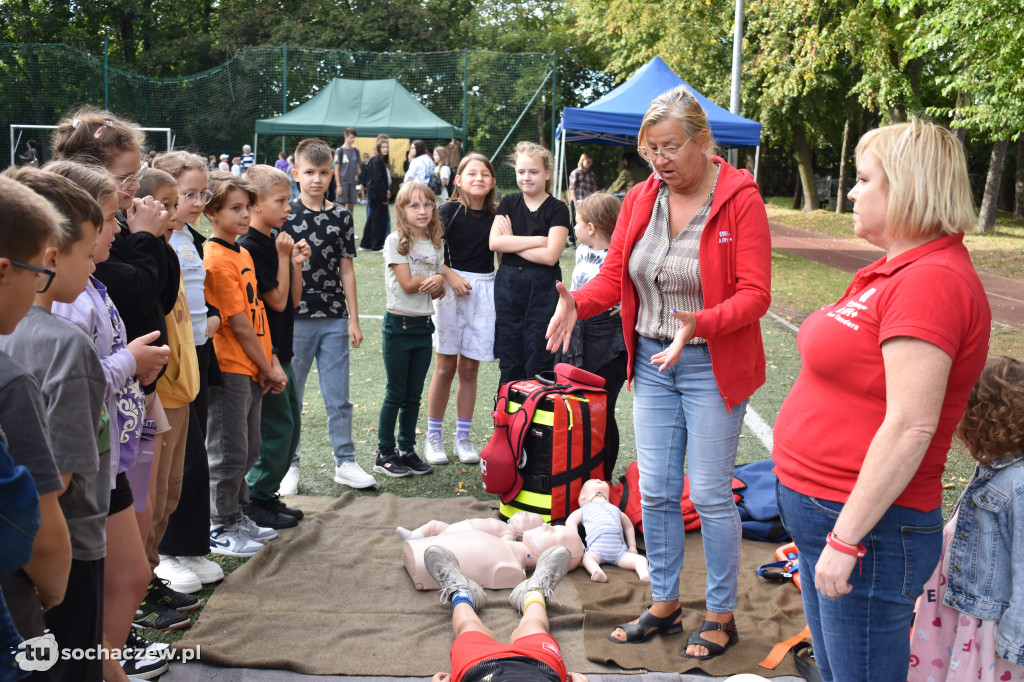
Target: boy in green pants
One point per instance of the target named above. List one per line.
(278, 263)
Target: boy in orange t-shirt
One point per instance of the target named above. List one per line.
(248, 364)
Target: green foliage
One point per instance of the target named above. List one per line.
(983, 45)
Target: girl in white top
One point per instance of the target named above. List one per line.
(421, 166)
(442, 171)
(465, 317)
(413, 266)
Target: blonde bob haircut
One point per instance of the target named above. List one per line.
(678, 104)
(925, 179)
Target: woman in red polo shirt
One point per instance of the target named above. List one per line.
(861, 440)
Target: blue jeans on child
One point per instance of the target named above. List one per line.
(864, 635)
(326, 340)
(680, 418)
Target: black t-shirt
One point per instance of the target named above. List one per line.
(512, 669)
(264, 258)
(527, 223)
(466, 236)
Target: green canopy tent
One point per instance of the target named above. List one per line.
(371, 107)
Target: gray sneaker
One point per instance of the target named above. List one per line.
(433, 449)
(465, 451)
(552, 566)
(253, 530)
(444, 568)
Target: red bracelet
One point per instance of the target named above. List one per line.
(859, 551)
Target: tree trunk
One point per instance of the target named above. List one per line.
(961, 102)
(797, 193)
(1018, 186)
(805, 166)
(541, 128)
(987, 215)
(840, 195)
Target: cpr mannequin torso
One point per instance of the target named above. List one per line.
(488, 551)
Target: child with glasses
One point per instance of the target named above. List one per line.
(186, 540)
(413, 277)
(28, 229)
(66, 365)
(164, 607)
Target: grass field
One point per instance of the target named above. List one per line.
(799, 286)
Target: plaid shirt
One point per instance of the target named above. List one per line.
(582, 183)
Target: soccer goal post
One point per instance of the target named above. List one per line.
(21, 127)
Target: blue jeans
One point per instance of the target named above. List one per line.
(326, 341)
(679, 415)
(864, 635)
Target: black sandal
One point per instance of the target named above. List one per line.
(714, 648)
(641, 631)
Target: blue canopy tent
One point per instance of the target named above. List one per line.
(615, 117)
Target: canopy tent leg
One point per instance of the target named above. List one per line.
(757, 160)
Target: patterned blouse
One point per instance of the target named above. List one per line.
(666, 270)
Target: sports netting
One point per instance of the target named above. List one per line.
(492, 95)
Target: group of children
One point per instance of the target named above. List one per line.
(157, 403)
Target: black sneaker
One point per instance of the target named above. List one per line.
(278, 505)
(391, 465)
(263, 514)
(415, 464)
(146, 660)
(160, 592)
(154, 616)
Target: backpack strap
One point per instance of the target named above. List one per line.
(519, 421)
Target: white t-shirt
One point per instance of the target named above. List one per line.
(423, 260)
(420, 169)
(195, 281)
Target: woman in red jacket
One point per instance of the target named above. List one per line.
(690, 260)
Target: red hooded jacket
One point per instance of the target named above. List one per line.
(735, 272)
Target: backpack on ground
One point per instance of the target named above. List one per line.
(548, 440)
(759, 508)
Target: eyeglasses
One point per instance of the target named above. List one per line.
(415, 207)
(201, 198)
(38, 270)
(667, 153)
(123, 180)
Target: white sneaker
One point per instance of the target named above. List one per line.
(433, 449)
(465, 451)
(178, 577)
(352, 475)
(230, 540)
(207, 571)
(255, 532)
(290, 482)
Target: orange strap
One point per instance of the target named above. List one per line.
(780, 650)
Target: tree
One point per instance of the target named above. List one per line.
(983, 44)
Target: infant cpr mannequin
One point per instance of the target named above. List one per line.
(487, 553)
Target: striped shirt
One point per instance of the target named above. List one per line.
(666, 270)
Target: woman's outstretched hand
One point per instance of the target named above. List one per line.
(670, 356)
(562, 322)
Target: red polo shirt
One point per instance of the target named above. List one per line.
(827, 422)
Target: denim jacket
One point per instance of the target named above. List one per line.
(986, 570)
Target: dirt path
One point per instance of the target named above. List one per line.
(1005, 296)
